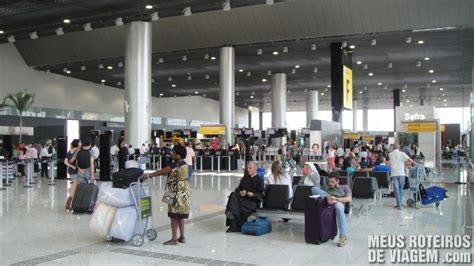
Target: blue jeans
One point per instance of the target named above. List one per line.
(83, 178)
(340, 215)
(398, 182)
(190, 172)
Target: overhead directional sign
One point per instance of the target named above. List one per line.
(418, 127)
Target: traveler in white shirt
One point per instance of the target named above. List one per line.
(114, 150)
(190, 159)
(95, 153)
(398, 160)
(143, 149)
(340, 152)
(44, 157)
(279, 177)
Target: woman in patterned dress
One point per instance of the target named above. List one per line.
(177, 182)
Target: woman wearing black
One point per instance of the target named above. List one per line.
(122, 155)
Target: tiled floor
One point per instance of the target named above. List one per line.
(35, 229)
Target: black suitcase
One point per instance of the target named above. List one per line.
(123, 178)
(319, 221)
(85, 198)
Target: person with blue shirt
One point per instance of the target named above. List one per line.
(380, 165)
(347, 165)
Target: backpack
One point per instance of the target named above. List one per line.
(83, 159)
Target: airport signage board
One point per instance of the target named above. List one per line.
(351, 136)
(347, 87)
(212, 130)
(418, 127)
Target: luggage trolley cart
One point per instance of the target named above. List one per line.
(144, 212)
(416, 176)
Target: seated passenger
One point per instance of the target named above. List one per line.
(279, 177)
(245, 199)
(347, 165)
(363, 163)
(338, 196)
(380, 165)
(311, 176)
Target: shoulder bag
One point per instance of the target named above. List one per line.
(170, 198)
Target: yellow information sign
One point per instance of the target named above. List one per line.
(212, 130)
(368, 138)
(351, 136)
(443, 128)
(417, 127)
(347, 87)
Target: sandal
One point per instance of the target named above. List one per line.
(171, 243)
(182, 240)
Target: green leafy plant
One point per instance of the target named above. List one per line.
(21, 101)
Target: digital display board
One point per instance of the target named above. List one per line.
(347, 87)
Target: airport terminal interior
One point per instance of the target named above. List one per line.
(236, 132)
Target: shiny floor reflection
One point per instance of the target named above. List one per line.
(34, 225)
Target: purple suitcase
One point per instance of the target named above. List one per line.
(319, 221)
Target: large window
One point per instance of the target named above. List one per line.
(381, 120)
(455, 115)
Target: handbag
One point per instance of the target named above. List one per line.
(170, 198)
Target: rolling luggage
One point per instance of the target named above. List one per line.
(85, 198)
(123, 178)
(258, 227)
(432, 194)
(319, 221)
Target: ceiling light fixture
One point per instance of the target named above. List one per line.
(67, 21)
(241, 70)
(68, 72)
(196, 92)
(445, 100)
(359, 62)
(427, 58)
(251, 96)
(259, 51)
(187, 11)
(275, 53)
(361, 92)
(149, 7)
(34, 35)
(173, 85)
(314, 47)
(380, 83)
(322, 93)
(103, 81)
(59, 31)
(421, 42)
(154, 16)
(373, 42)
(297, 66)
(2, 32)
(431, 71)
(264, 80)
(352, 46)
(87, 26)
(161, 94)
(434, 81)
(404, 90)
(371, 74)
(213, 58)
(118, 21)
(408, 40)
(110, 67)
(441, 89)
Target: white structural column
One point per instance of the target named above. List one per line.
(138, 83)
(227, 92)
(354, 116)
(279, 100)
(312, 106)
(365, 119)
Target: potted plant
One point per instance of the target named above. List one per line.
(22, 101)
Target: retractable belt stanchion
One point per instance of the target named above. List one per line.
(212, 162)
(51, 182)
(230, 162)
(8, 172)
(201, 158)
(154, 162)
(218, 163)
(29, 173)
